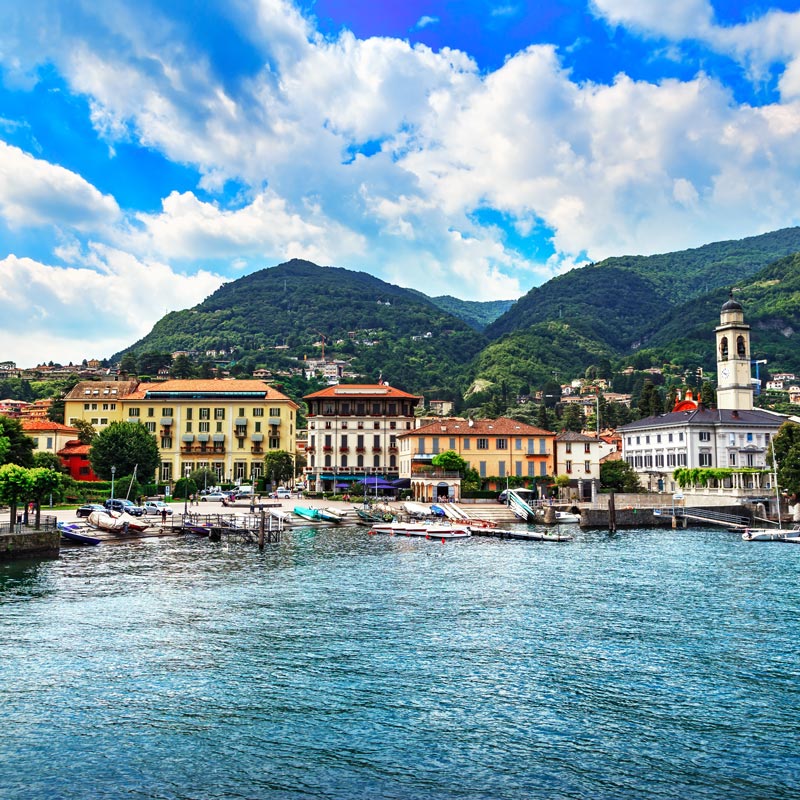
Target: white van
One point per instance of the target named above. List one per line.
(244, 490)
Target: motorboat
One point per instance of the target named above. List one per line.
(567, 517)
(311, 514)
(75, 534)
(766, 535)
(330, 515)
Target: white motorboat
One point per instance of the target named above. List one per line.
(417, 510)
(764, 535)
(566, 516)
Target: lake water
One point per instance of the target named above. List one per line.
(647, 664)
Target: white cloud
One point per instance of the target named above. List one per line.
(34, 192)
(72, 313)
(425, 22)
(678, 19)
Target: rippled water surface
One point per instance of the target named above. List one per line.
(650, 664)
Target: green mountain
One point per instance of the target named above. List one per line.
(477, 314)
(382, 328)
(609, 310)
(616, 300)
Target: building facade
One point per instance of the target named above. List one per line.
(579, 456)
(353, 433)
(48, 437)
(226, 426)
(495, 448)
(734, 435)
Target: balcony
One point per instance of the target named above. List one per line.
(432, 472)
(257, 450)
(327, 448)
(377, 449)
(344, 449)
(361, 449)
(392, 448)
(311, 449)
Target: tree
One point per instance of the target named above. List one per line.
(203, 477)
(785, 450)
(470, 481)
(126, 446)
(128, 364)
(42, 483)
(86, 431)
(708, 395)
(182, 367)
(184, 488)
(15, 446)
(278, 466)
(451, 461)
(47, 460)
(15, 487)
(620, 476)
(573, 419)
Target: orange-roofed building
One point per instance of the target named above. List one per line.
(48, 437)
(353, 431)
(496, 448)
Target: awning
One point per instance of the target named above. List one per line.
(166, 421)
(340, 477)
(219, 437)
(187, 437)
(257, 437)
(240, 422)
(203, 437)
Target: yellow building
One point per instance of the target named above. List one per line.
(97, 402)
(496, 448)
(226, 426)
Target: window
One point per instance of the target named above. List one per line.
(219, 427)
(670, 459)
(569, 466)
(134, 412)
(482, 468)
(749, 437)
(376, 408)
(105, 406)
(680, 436)
(188, 427)
(188, 413)
(151, 427)
(376, 426)
(204, 427)
(275, 443)
(732, 440)
(638, 440)
(518, 444)
(483, 444)
(205, 413)
(86, 408)
(669, 438)
(658, 438)
(219, 413)
(586, 466)
(151, 412)
(659, 460)
(166, 442)
(704, 459)
(275, 412)
(732, 459)
(568, 447)
(343, 462)
(704, 436)
(647, 440)
(257, 412)
(94, 406)
(435, 447)
(393, 425)
(451, 443)
(241, 412)
(466, 443)
(502, 468)
(518, 468)
(257, 427)
(344, 440)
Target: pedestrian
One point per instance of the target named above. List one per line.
(163, 516)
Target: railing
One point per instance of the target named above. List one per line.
(376, 449)
(434, 472)
(46, 523)
(257, 450)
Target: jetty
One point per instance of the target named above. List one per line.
(23, 540)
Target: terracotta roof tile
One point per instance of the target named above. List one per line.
(208, 386)
(361, 390)
(43, 425)
(503, 426)
(120, 389)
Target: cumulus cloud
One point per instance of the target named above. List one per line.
(425, 22)
(116, 297)
(34, 192)
(376, 154)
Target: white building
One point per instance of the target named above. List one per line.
(733, 435)
(579, 456)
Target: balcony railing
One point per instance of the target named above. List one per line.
(344, 449)
(432, 472)
(327, 448)
(257, 450)
(377, 449)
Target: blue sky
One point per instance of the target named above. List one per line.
(150, 151)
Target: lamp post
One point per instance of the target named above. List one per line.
(113, 472)
(186, 490)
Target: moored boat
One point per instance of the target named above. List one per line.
(75, 533)
(304, 512)
(330, 515)
(121, 523)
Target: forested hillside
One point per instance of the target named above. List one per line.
(477, 314)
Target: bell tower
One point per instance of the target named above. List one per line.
(734, 387)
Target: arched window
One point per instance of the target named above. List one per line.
(344, 461)
(376, 461)
(741, 350)
(327, 461)
(360, 461)
(723, 347)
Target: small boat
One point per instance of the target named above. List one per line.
(74, 533)
(764, 535)
(306, 513)
(330, 515)
(438, 511)
(370, 515)
(416, 509)
(282, 516)
(566, 516)
(115, 523)
(448, 531)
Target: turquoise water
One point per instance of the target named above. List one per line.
(650, 664)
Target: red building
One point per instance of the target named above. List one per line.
(75, 456)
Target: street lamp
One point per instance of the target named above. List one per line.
(186, 490)
(113, 472)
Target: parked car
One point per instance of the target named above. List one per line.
(126, 506)
(213, 496)
(89, 508)
(156, 508)
(283, 493)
